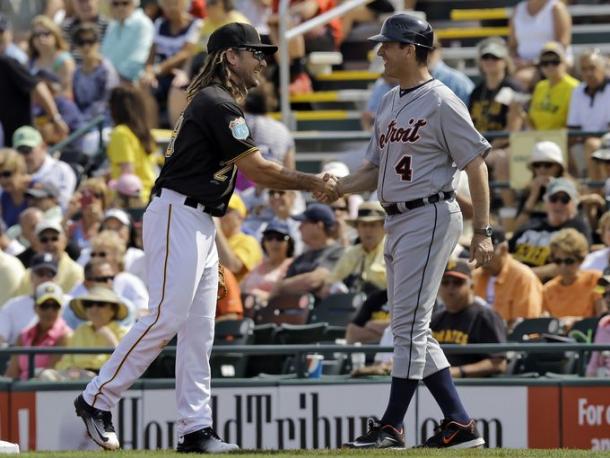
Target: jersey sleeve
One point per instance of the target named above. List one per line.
(230, 131)
(462, 140)
(372, 150)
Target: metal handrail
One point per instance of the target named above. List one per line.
(299, 351)
(286, 35)
(97, 122)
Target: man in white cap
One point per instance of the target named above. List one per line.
(52, 240)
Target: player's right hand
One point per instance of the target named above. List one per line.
(328, 190)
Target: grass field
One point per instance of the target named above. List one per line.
(484, 453)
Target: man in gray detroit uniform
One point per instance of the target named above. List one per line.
(423, 134)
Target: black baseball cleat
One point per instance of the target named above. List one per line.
(451, 434)
(204, 441)
(98, 423)
(379, 436)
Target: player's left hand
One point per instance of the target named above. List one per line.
(328, 193)
(481, 251)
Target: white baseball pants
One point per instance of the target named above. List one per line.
(182, 273)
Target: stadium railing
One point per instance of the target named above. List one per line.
(300, 351)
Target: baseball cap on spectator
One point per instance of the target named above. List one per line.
(279, 226)
(546, 152)
(554, 48)
(603, 153)
(42, 190)
(26, 136)
(561, 185)
(318, 212)
(367, 212)
(494, 46)
(458, 268)
(48, 291)
(48, 225)
(99, 294)
(336, 168)
(44, 261)
(119, 215)
(237, 35)
(235, 203)
(127, 184)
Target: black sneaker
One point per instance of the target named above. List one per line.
(451, 434)
(204, 441)
(98, 423)
(379, 436)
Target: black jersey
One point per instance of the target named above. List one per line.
(200, 158)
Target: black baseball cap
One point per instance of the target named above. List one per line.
(237, 35)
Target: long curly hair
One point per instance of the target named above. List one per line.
(216, 70)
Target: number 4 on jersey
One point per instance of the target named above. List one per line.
(403, 168)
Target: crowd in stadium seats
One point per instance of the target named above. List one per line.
(72, 265)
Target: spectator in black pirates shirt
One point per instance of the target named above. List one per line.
(489, 114)
(531, 242)
(466, 320)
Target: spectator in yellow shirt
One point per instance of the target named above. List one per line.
(102, 309)
(238, 252)
(362, 267)
(571, 294)
(550, 101)
(131, 144)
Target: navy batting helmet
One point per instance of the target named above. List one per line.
(404, 28)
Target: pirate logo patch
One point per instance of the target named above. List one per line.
(239, 128)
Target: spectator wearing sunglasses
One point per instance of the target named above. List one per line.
(18, 314)
(102, 310)
(465, 320)
(41, 166)
(571, 294)
(278, 246)
(548, 109)
(103, 273)
(546, 162)
(109, 247)
(51, 239)
(94, 77)
(530, 244)
(50, 331)
(128, 39)
(487, 113)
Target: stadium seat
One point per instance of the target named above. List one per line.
(231, 332)
(534, 327)
(287, 308)
(538, 364)
(584, 330)
(337, 309)
(299, 335)
(264, 334)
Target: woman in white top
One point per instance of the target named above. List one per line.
(598, 260)
(533, 24)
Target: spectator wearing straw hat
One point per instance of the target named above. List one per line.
(102, 310)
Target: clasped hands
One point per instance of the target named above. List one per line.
(328, 190)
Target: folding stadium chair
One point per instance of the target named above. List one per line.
(533, 327)
(231, 332)
(537, 364)
(164, 365)
(304, 334)
(264, 334)
(584, 330)
(286, 309)
(337, 309)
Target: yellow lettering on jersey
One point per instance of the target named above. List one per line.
(170, 146)
(532, 255)
(454, 336)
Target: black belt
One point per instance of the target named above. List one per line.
(395, 209)
(192, 202)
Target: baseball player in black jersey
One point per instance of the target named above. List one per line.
(422, 136)
(210, 141)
